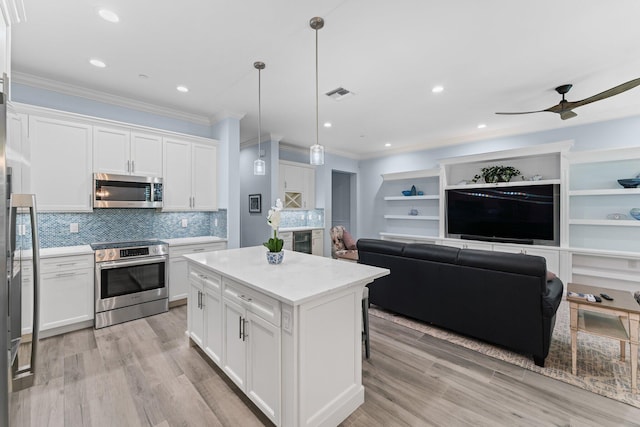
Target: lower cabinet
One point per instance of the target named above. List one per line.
(251, 345)
(239, 329)
(287, 236)
(317, 242)
(66, 291)
(178, 279)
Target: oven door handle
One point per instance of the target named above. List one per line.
(118, 264)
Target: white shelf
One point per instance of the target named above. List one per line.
(426, 197)
(424, 173)
(413, 217)
(504, 184)
(609, 274)
(606, 222)
(605, 192)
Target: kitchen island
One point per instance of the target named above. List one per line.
(288, 335)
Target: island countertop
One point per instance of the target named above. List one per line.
(300, 277)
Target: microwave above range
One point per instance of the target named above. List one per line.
(126, 191)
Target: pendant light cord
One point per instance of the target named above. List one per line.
(317, 121)
(259, 111)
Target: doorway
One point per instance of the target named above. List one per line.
(343, 200)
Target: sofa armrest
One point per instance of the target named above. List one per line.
(551, 300)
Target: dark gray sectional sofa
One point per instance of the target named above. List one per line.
(501, 298)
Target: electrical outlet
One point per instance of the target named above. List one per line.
(184, 223)
(74, 227)
(215, 222)
(22, 229)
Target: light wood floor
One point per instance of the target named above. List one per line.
(144, 373)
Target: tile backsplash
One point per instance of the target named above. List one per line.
(103, 225)
(301, 218)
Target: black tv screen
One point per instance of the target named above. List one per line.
(519, 213)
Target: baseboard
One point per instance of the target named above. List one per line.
(177, 303)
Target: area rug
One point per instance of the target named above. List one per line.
(599, 367)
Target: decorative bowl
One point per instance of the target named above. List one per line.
(629, 183)
(406, 192)
(635, 212)
(420, 193)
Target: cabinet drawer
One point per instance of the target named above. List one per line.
(259, 304)
(57, 264)
(316, 233)
(207, 279)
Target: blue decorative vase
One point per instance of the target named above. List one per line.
(275, 257)
(635, 212)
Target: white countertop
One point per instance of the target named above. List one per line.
(60, 251)
(299, 279)
(182, 241)
(284, 230)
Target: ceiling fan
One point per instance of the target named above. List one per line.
(565, 108)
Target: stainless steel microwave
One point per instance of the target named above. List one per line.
(126, 191)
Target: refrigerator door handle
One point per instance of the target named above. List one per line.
(24, 377)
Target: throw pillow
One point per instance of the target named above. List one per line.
(348, 240)
(550, 276)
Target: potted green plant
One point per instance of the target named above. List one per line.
(274, 244)
(495, 174)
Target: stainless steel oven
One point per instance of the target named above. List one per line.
(131, 281)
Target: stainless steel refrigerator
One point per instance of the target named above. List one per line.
(15, 375)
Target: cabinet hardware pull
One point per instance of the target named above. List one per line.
(65, 274)
(133, 166)
(244, 330)
(198, 250)
(128, 166)
(65, 264)
(240, 327)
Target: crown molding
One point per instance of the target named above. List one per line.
(95, 95)
(13, 11)
(226, 114)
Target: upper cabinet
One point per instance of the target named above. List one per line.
(61, 169)
(118, 150)
(297, 185)
(18, 152)
(190, 175)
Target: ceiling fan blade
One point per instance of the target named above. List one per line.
(606, 94)
(568, 114)
(524, 112)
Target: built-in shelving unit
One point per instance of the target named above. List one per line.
(417, 214)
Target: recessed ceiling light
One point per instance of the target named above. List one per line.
(482, 126)
(437, 89)
(182, 89)
(97, 63)
(388, 144)
(108, 15)
(327, 124)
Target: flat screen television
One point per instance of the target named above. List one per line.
(515, 214)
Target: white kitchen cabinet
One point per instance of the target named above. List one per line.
(251, 349)
(213, 316)
(178, 276)
(287, 236)
(61, 170)
(317, 242)
(190, 176)
(117, 150)
(297, 185)
(195, 309)
(66, 291)
(18, 153)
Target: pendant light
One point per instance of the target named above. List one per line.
(259, 167)
(316, 152)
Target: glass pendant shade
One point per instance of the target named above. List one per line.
(259, 167)
(316, 154)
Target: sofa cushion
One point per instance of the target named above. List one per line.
(435, 253)
(531, 265)
(385, 247)
(552, 297)
(348, 240)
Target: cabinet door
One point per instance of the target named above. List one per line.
(17, 152)
(287, 236)
(146, 154)
(195, 312)
(178, 279)
(317, 243)
(309, 192)
(66, 298)
(234, 348)
(213, 318)
(177, 175)
(263, 365)
(61, 164)
(111, 150)
(205, 177)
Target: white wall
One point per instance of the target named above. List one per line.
(610, 134)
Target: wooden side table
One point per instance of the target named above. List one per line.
(618, 319)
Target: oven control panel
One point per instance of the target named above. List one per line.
(114, 254)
